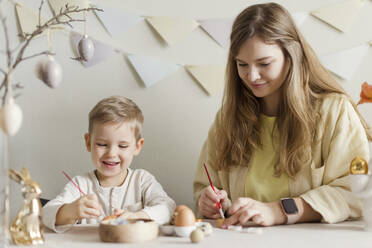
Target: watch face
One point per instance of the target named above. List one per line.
(289, 206)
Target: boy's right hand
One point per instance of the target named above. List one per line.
(208, 199)
(85, 207)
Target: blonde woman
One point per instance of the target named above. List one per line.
(280, 147)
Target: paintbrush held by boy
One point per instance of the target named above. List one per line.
(114, 139)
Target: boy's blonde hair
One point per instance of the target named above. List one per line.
(117, 109)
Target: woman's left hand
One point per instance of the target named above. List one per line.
(246, 209)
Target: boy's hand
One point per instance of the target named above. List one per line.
(84, 207)
(87, 207)
(208, 199)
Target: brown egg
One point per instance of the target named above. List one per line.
(176, 210)
(184, 217)
(180, 207)
(358, 166)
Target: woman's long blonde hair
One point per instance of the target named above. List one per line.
(306, 84)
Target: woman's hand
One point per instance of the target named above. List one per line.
(246, 209)
(208, 200)
(84, 207)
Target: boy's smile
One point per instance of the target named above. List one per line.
(112, 147)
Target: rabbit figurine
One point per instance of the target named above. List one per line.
(361, 186)
(27, 227)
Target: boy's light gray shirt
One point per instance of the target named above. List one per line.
(140, 191)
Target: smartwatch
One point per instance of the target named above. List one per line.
(290, 209)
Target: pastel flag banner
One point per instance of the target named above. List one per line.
(344, 63)
(28, 19)
(210, 77)
(116, 21)
(218, 29)
(172, 29)
(57, 5)
(101, 50)
(300, 17)
(151, 70)
(340, 15)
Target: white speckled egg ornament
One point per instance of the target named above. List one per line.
(50, 72)
(86, 48)
(10, 117)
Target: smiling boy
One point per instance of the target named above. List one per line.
(114, 139)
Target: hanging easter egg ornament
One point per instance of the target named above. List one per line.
(86, 48)
(50, 72)
(10, 117)
(86, 45)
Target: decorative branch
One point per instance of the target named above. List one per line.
(38, 54)
(19, 50)
(40, 7)
(6, 35)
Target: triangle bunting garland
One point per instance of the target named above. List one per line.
(218, 29)
(28, 19)
(151, 70)
(300, 17)
(172, 29)
(340, 15)
(210, 77)
(344, 63)
(116, 21)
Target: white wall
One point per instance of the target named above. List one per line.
(177, 111)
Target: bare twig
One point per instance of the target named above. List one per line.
(40, 7)
(18, 52)
(54, 21)
(6, 34)
(38, 54)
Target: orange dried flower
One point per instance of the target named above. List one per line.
(366, 93)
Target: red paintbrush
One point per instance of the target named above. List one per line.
(217, 203)
(69, 178)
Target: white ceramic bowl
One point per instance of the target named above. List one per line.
(184, 231)
(167, 230)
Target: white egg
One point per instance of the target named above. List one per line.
(10, 117)
(86, 48)
(50, 72)
(196, 236)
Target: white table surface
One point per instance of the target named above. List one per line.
(314, 235)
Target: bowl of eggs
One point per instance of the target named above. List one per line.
(116, 229)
